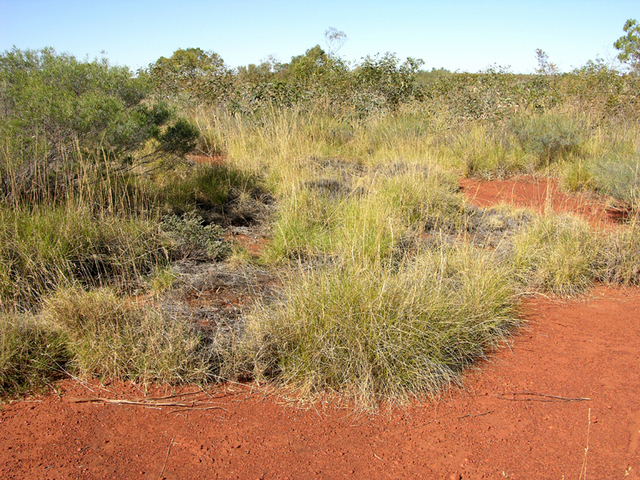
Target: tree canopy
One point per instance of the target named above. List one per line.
(629, 45)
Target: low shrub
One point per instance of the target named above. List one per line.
(548, 136)
(194, 240)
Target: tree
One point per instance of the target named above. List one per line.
(629, 45)
(201, 75)
(385, 77)
(545, 67)
(53, 106)
(335, 39)
(67, 103)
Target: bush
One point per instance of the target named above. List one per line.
(549, 137)
(194, 240)
(58, 114)
(54, 103)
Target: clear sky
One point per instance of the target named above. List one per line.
(460, 35)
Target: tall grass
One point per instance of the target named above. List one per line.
(556, 254)
(375, 332)
(111, 337)
(32, 353)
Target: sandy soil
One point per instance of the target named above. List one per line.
(542, 195)
(561, 401)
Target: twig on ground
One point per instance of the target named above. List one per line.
(151, 399)
(476, 415)
(198, 408)
(583, 469)
(165, 460)
(129, 402)
(553, 398)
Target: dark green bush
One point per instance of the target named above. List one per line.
(180, 138)
(195, 240)
(54, 103)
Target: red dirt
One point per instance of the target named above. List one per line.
(563, 397)
(495, 428)
(541, 194)
(205, 159)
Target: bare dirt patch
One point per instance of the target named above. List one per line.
(542, 195)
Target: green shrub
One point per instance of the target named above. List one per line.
(60, 114)
(53, 101)
(550, 137)
(194, 240)
(179, 138)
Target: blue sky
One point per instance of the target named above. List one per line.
(458, 34)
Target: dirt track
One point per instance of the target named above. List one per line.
(563, 397)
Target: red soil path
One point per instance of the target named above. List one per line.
(563, 399)
(541, 195)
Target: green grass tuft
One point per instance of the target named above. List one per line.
(32, 354)
(377, 333)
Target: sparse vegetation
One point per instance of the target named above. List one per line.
(389, 283)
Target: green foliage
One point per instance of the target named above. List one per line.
(193, 72)
(194, 240)
(545, 67)
(204, 187)
(179, 138)
(550, 137)
(53, 103)
(602, 88)
(618, 175)
(619, 256)
(629, 45)
(385, 81)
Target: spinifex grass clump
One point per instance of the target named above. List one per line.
(112, 337)
(363, 214)
(618, 176)
(32, 353)
(556, 254)
(376, 332)
(44, 248)
(619, 256)
(550, 137)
